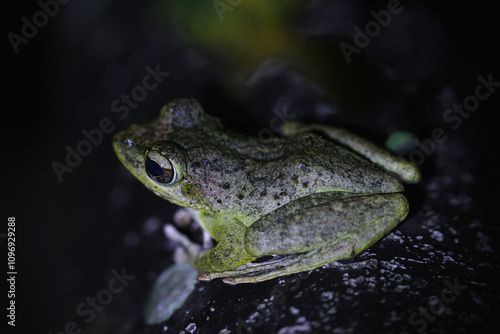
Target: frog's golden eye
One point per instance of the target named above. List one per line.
(159, 168)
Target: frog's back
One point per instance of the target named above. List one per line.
(253, 182)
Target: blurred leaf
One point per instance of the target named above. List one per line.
(237, 33)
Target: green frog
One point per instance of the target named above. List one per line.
(296, 202)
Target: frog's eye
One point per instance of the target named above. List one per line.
(159, 168)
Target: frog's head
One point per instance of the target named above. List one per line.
(152, 156)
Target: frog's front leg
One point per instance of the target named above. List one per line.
(229, 253)
(317, 230)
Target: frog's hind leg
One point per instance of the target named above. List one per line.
(261, 271)
(339, 229)
(295, 263)
(407, 171)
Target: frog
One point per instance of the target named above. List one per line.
(275, 206)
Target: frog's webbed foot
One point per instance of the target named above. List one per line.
(254, 272)
(191, 249)
(184, 218)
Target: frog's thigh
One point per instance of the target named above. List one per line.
(355, 221)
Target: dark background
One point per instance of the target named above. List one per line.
(71, 235)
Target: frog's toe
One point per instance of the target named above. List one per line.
(258, 271)
(230, 281)
(173, 234)
(204, 277)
